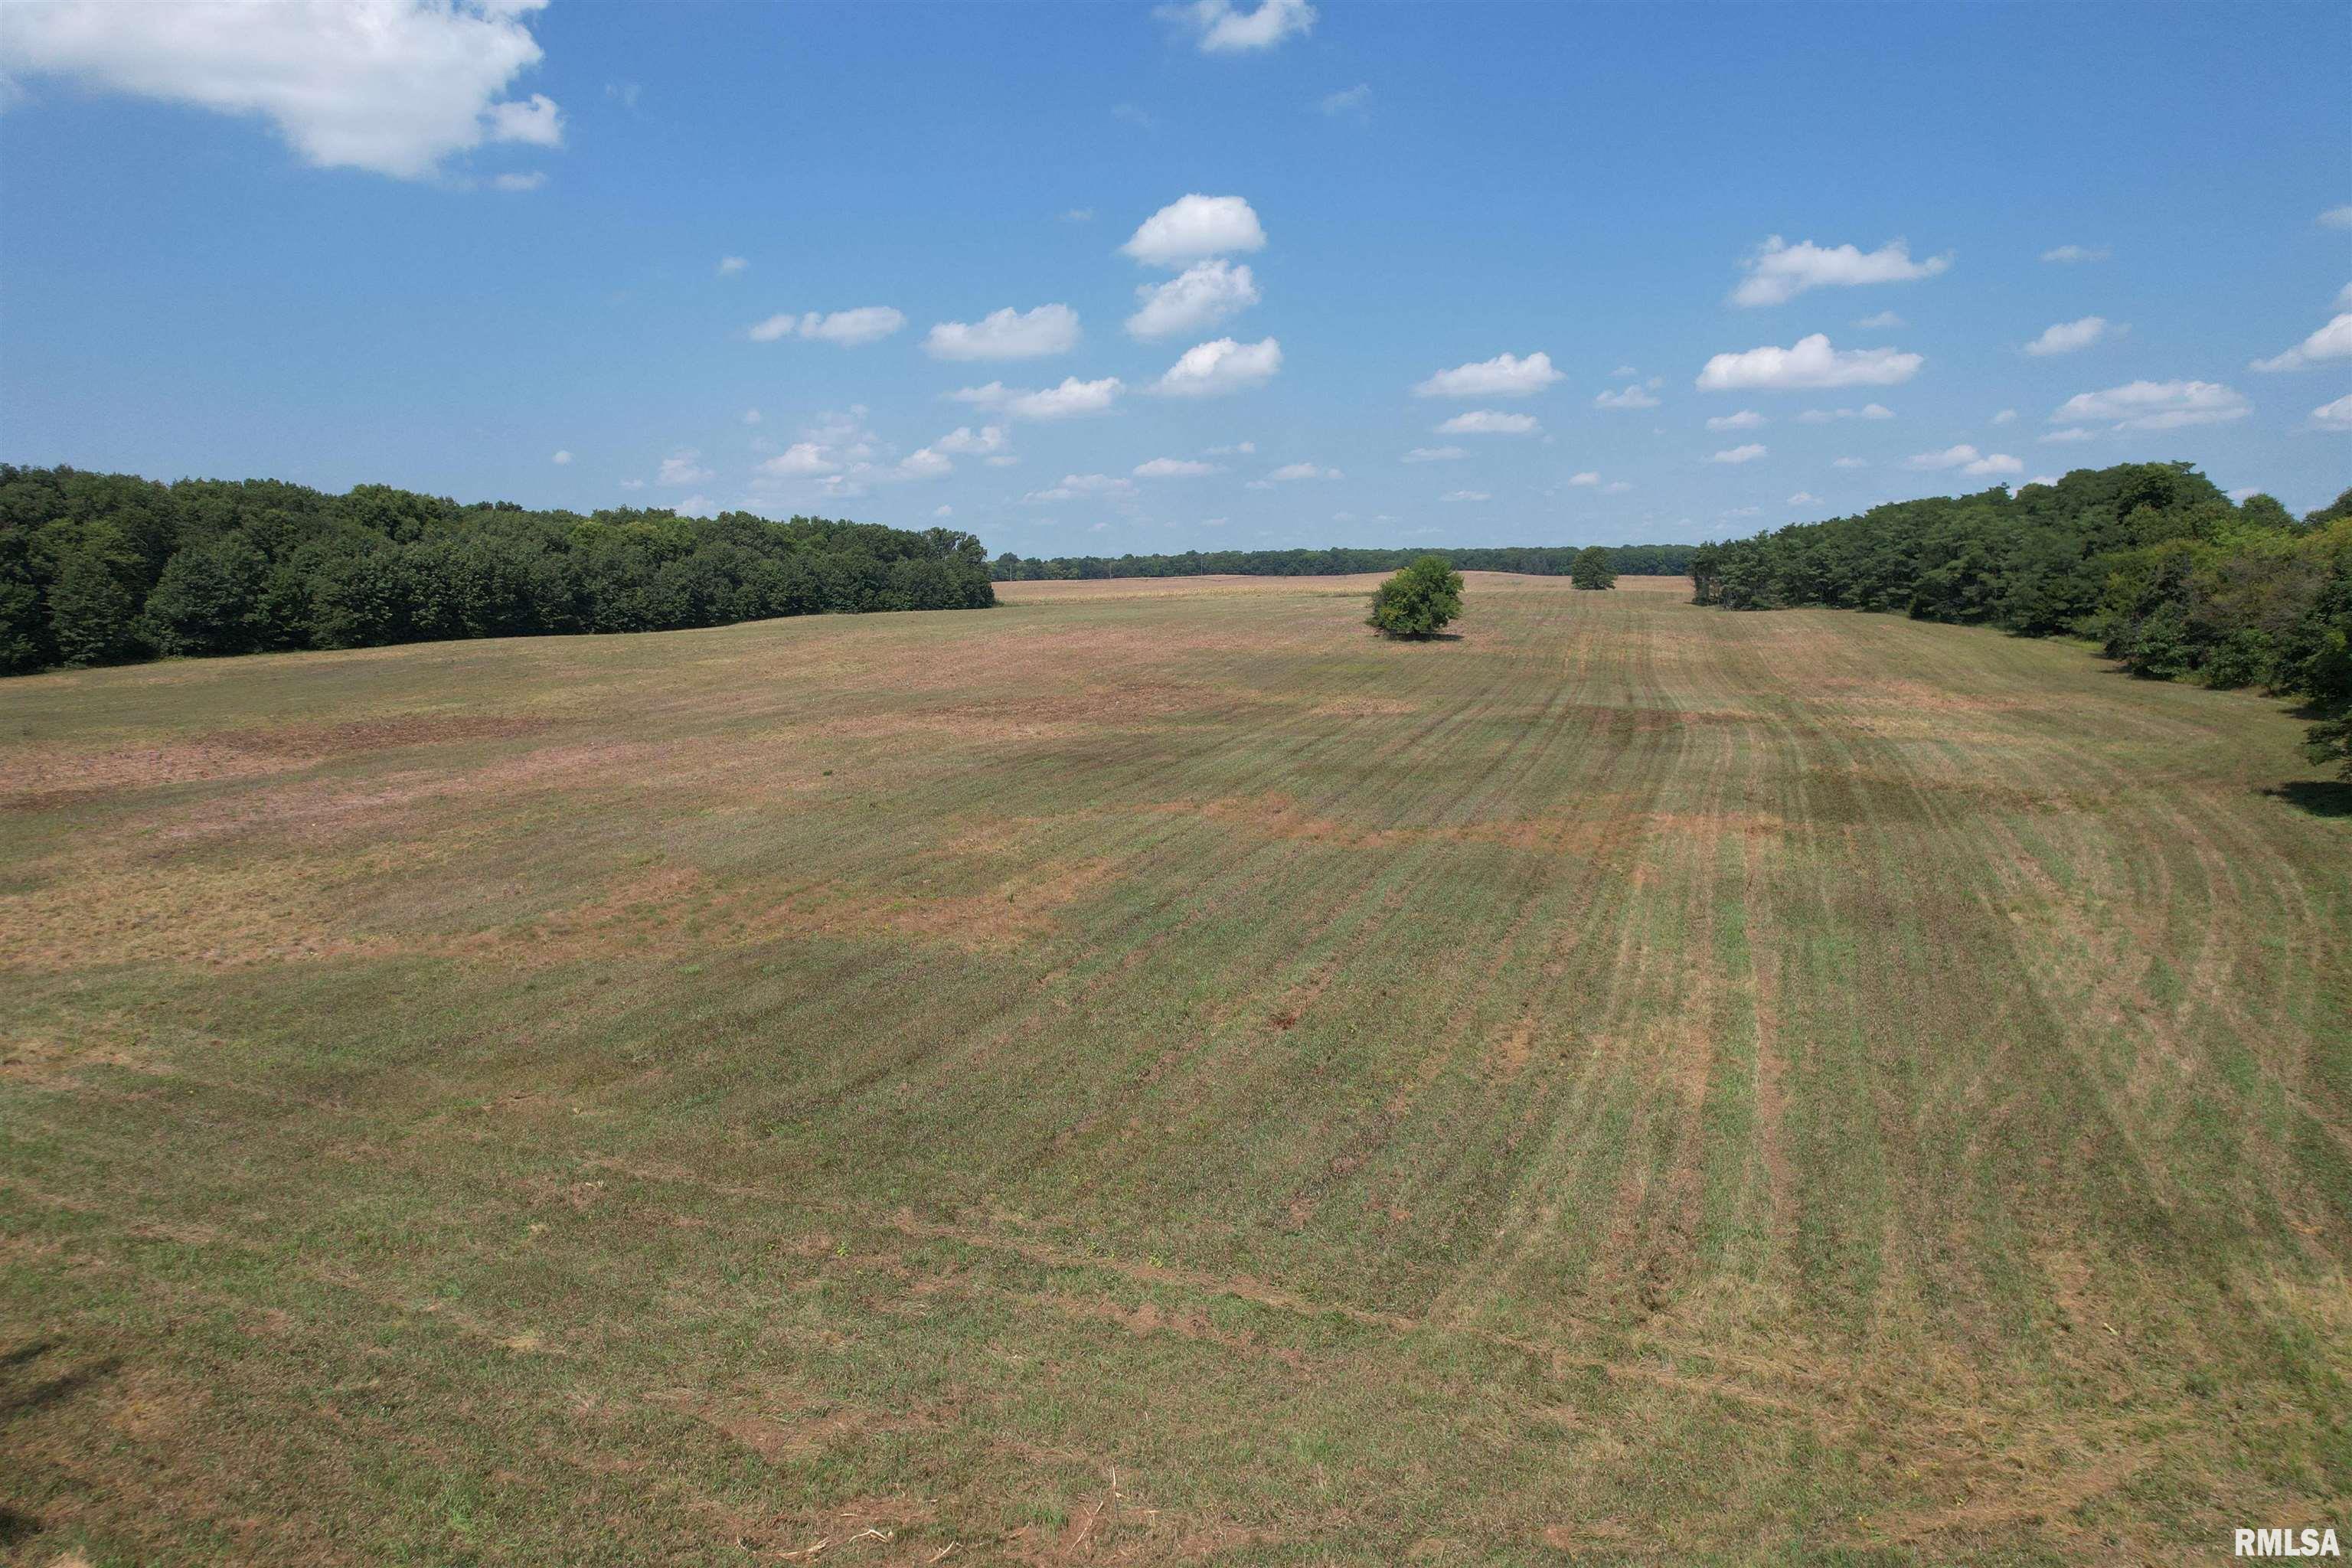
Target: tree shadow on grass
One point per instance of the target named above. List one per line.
(2321, 797)
(25, 1399)
(16, 1528)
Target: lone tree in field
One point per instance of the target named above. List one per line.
(1591, 569)
(1419, 600)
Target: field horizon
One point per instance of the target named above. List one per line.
(1152, 1072)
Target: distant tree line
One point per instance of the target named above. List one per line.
(105, 568)
(2150, 560)
(1536, 559)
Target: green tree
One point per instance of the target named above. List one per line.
(1419, 600)
(208, 600)
(1592, 569)
(89, 609)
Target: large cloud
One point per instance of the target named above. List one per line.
(2333, 340)
(1811, 361)
(390, 86)
(1203, 295)
(1505, 375)
(1193, 228)
(1007, 333)
(1220, 366)
(2156, 405)
(1780, 271)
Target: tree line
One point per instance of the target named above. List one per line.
(1536, 559)
(2150, 560)
(109, 568)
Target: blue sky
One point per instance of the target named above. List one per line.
(237, 244)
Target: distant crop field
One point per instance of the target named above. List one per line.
(1151, 1073)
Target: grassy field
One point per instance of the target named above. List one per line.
(1151, 1074)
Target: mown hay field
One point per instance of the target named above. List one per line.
(1152, 1074)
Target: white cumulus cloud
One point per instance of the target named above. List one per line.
(1810, 361)
(2065, 253)
(1780, 271)
(1302, 471)
(390, 86)
(1072, 398)
(964, 439)
(1468, 495)
(1174, 468)
(1968, 459)
(1221, 27)
(731, 265)
(1194, 227)
(683, 468)
(1505, 375)
(1488, 422)
(1745, 419)
(1007, 333)
(1850, 463)
(2333, 340)
(1824, 416)
(1805, 498)
(561, 458)
(1435, 453)
(923, 463)
(1203, 295)
(2066, 337)
(2337, 217)
(799, 460)
(1634, 396)
(1221, 366)
(2335, 416)
(1587, 478)
(2156, 405)
(1885, 320)
(1747, 454)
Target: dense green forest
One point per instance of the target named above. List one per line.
(1537, 560)
(2150, 560)
(105, 568)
